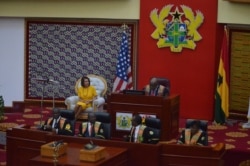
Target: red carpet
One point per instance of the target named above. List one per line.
(31, 116)
(233, 135)
(2, 155)
(236, 139)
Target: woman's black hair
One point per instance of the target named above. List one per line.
(195, 123)
(82, 80)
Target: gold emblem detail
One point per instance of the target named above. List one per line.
(67, 127)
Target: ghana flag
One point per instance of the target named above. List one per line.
(222, 90)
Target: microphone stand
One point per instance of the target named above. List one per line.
(53, 98)
(43, 82)
(42, 98)
(54, 84)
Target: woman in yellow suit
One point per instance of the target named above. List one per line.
(87, 94)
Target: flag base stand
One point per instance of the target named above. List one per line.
(230, 122)
(246, 125)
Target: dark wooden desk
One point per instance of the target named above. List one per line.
(113, 156)
(24, 146)
(184, 155)
(165, 108)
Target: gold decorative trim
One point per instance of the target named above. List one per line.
(236, 134)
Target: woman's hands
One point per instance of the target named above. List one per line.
(86, 101)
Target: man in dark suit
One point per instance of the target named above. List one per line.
(154, 88)
(92, 128)
(58, 124)
(139, 133)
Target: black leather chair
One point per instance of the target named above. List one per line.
(70, 116)
(203, 126)
(164, 82)
(104, 118)
(154, 125)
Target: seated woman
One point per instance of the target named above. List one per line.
(193, 135)
(86, 94)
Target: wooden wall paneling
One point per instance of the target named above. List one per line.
(239, 86)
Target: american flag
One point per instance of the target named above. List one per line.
(123, 78)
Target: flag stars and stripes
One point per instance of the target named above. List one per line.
(123, 78)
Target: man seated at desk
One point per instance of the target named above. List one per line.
(154, 88)
(92, 128)
(58, 124)
(139, 133)
(193, 135)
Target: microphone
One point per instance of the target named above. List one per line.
(90, 145)
(91, 142)
(57, 143)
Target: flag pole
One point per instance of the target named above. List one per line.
(124, 27)
(222, 89)
(123, 79)
(247, 125)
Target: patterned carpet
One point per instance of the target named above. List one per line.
(31, 116)
(233, 135)
(235, 138)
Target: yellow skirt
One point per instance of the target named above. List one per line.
(83, 105)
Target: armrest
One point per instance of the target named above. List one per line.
(99, 101)
(71, 102)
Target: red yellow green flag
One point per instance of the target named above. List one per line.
(222, 90)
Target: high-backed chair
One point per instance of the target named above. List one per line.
(166, 83)
(100, 85)
(154, 125)
(104, 118)
(203, 126)
(70, 116)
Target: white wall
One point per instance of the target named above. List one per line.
(12, 59)
(233, 13)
